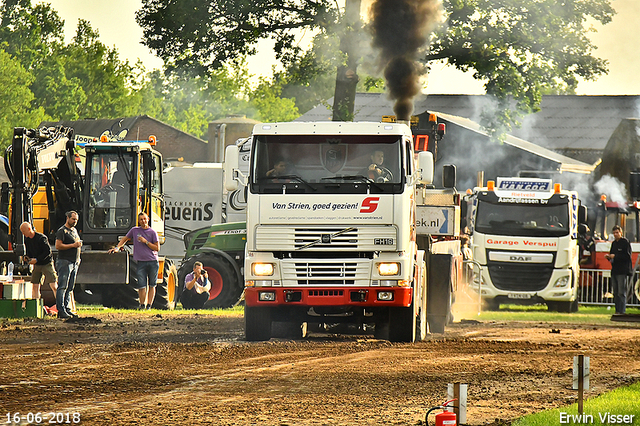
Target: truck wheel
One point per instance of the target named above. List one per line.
(257, 323)
(290, 330)
(402, 324)
(567, 307)
(167, 292)
(226, 286)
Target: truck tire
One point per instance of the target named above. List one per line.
(402, 324)
(226, 285)
(567, 307)
(257, 323)
(167, 292)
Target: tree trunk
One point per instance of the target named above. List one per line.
(347, 76)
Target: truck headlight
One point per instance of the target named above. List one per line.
(267, 296)
(389, 268)
(262, 269)
(562, 282)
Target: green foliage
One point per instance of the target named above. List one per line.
(15, 99)
(271, 107)
(202, 35)
(520, 49)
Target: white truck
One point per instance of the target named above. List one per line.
(524, 235)
(328, 243)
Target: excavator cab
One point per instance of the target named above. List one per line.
(122, 180)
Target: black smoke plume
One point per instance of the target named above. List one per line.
(400, 30)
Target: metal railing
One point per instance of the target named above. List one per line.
(595, 288)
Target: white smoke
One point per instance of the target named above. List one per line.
(612, 188)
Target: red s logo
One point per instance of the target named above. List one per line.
(369, 205)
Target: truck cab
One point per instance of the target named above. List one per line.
(331, 233)
(524, 234)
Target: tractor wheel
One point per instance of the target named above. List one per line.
(119, 296)
(166, 293)
(226, 285)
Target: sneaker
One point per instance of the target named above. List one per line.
(141, 307)
(63, 316)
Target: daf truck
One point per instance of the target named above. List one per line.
(524, 235)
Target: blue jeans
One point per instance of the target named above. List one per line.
(147, 273)
(66, 282)
(619, 288)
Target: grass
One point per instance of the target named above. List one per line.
(539, 313)
(622, 401)
(87, 310)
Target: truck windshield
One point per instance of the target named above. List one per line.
(522, 220)
(327, 163)
(110, 182)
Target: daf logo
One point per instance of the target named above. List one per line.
(326, 238)
(520, 258)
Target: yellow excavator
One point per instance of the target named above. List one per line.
(116, 181)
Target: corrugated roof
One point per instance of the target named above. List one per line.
(563, 122)
(565, 164)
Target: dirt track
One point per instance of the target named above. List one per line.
(166, 369)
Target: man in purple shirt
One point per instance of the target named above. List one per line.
(195, 292)
(145, 252)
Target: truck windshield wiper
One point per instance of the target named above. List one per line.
(293, 177)
(355, 178)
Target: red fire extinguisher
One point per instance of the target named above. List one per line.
(446, 418)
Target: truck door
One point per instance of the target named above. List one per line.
(155, 192)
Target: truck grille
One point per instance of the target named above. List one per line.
(520, 276)
(282, 238)
(326, 272)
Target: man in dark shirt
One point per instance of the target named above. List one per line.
(38, 254)
(68, 244)
(620, 257)
(587, 247)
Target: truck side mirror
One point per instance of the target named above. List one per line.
(449, 176)
(230, 167)
(582, 214)
(425, 167)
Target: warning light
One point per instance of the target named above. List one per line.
(490, 185)
(152, 140)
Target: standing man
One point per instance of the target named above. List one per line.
(145, 252)
(620, 257)
(196, 288)
(68, 244)
(38, 254)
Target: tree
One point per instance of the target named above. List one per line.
(517, 48)
(15, 99)
(520, 49)
(77, 80)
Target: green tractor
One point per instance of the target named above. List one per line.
(220, 248)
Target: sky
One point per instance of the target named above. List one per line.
(617, 42)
